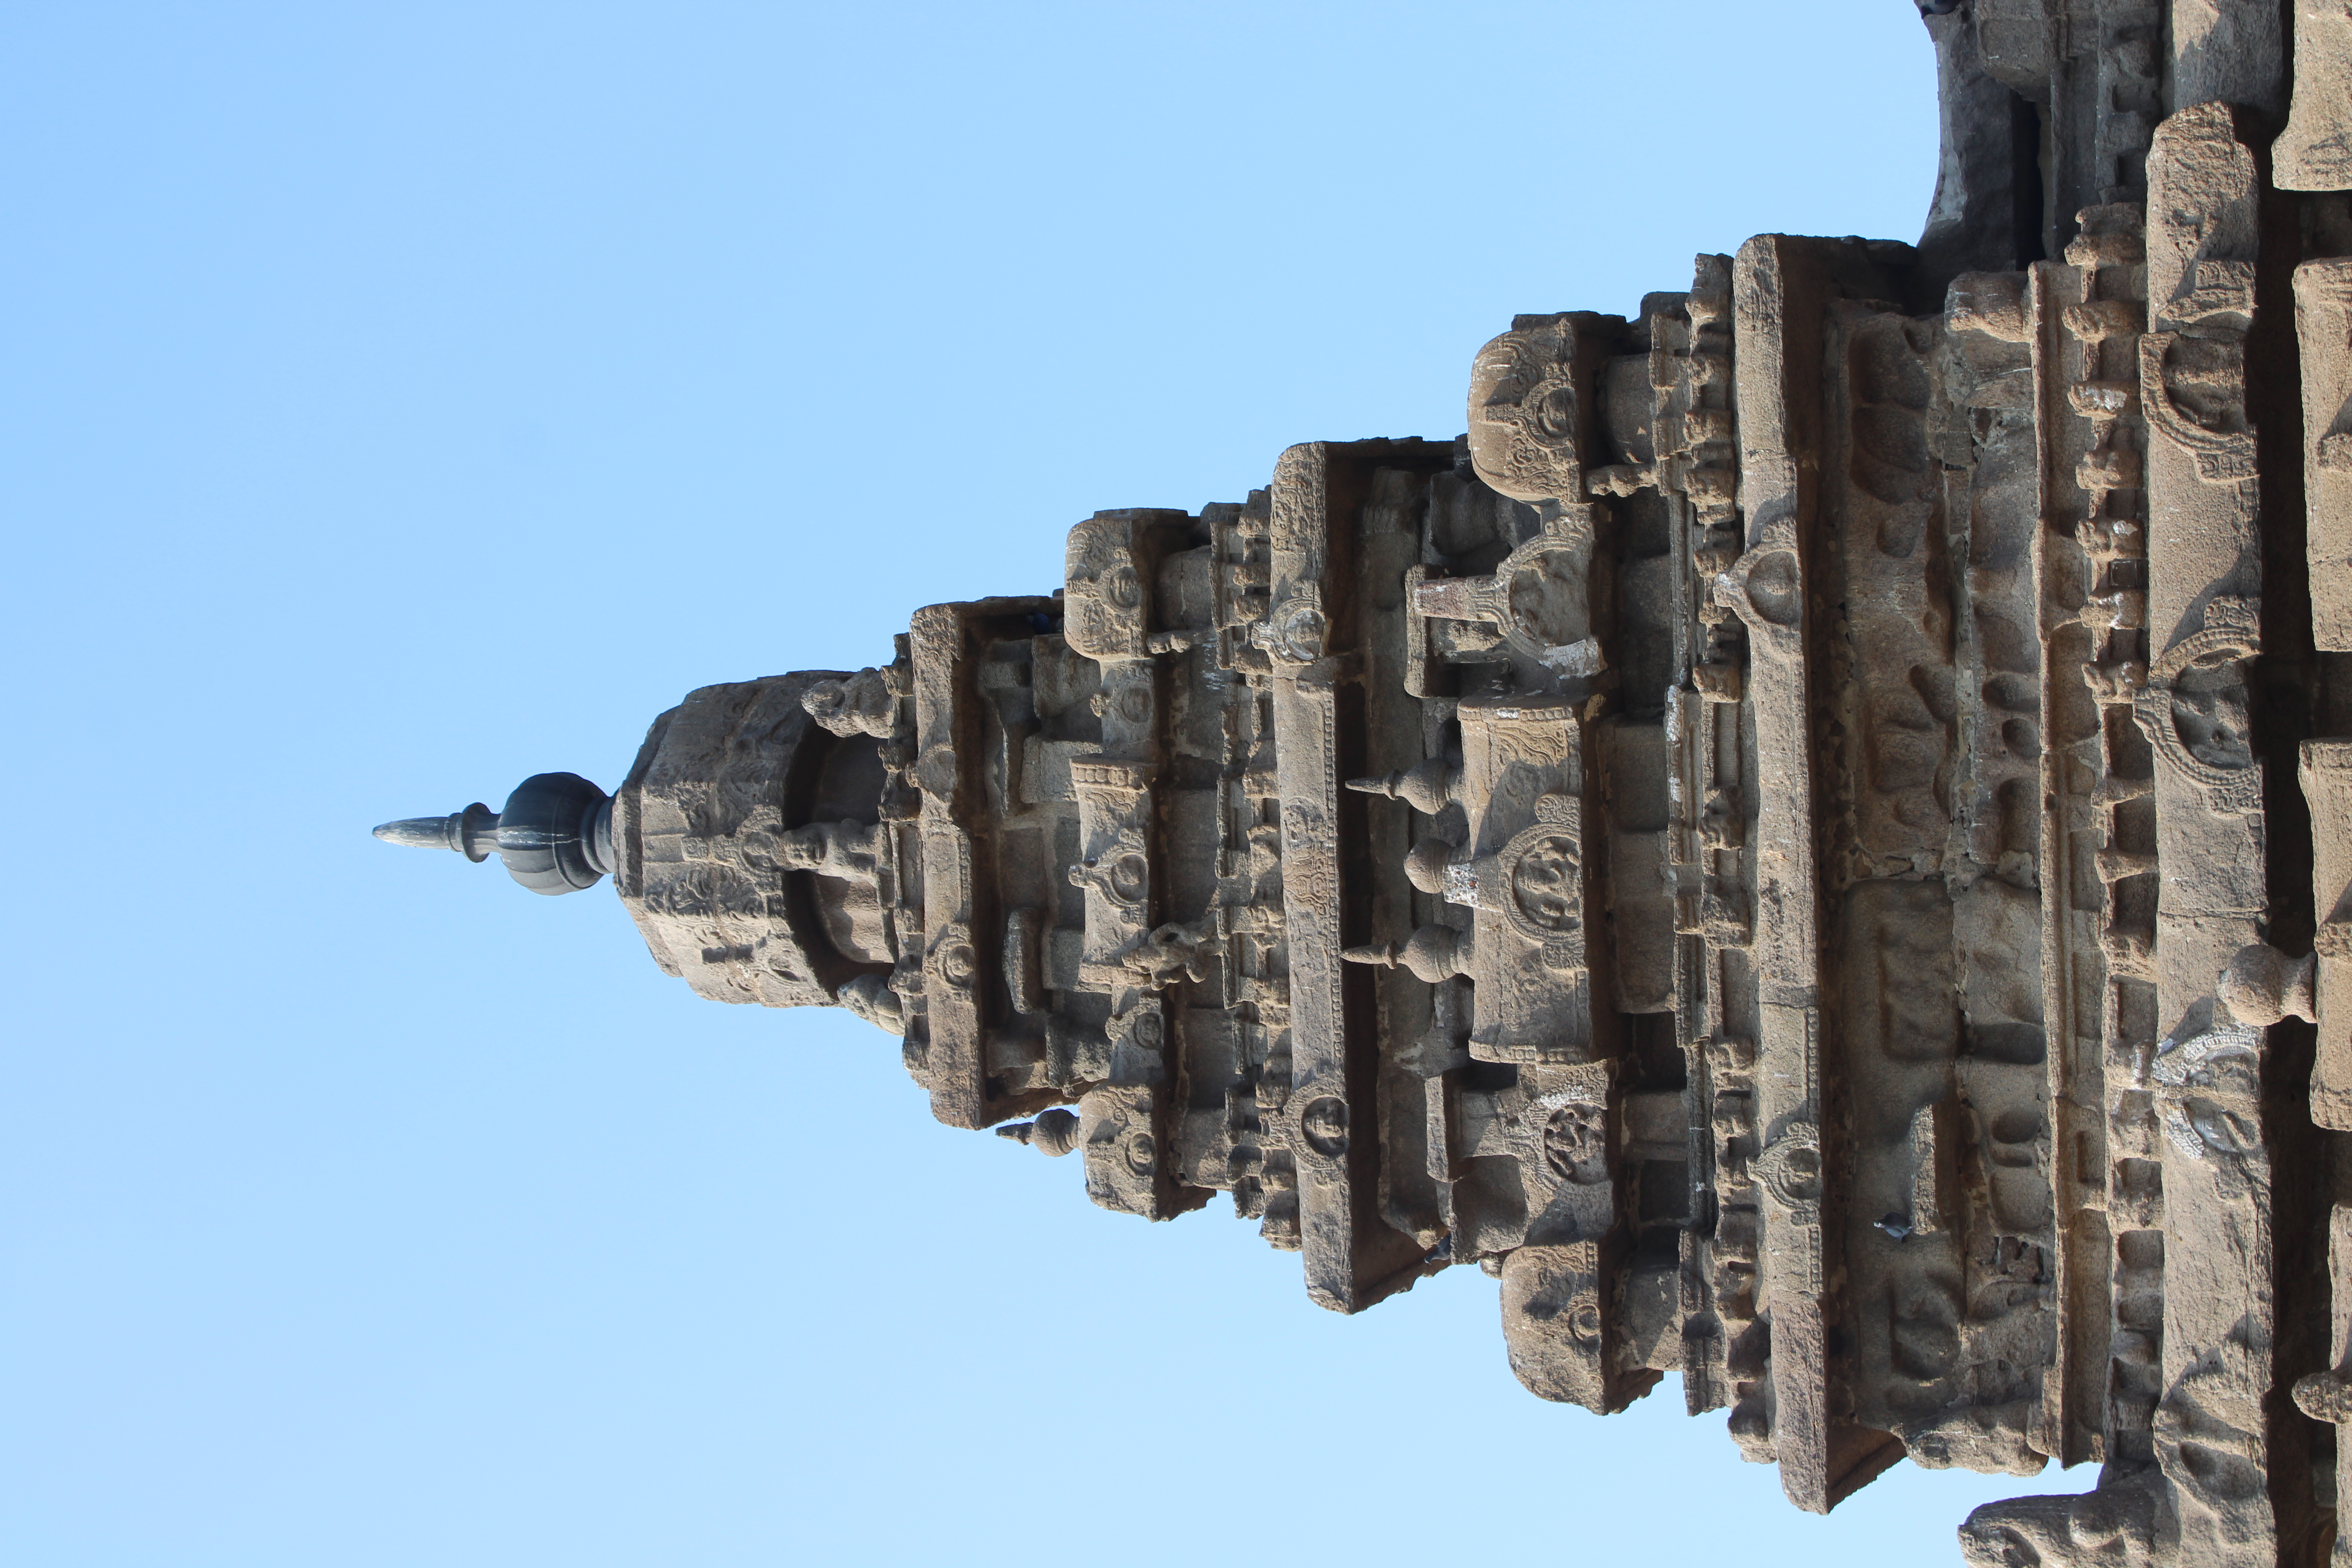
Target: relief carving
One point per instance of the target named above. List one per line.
(1524, 413)
(1805, 917)
(1105, 604)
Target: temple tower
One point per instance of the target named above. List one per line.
(1812, 842)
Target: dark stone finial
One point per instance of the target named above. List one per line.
(555, 833)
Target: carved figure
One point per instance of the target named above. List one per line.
(860, 704)
(844, 851)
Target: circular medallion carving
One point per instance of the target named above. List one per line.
(1541, 875)
(1791, 1170)
(1295, 631)
(1143, 1153)
(1773, 591)
(1552, 414)
(1121, 587)
(1324, 1123)
(1128, 878)
(2201, 736)
(955, 963)
(1544, 881)
(1584, 1323)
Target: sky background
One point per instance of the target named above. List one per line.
(402, 400)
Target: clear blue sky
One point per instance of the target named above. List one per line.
(400, 399)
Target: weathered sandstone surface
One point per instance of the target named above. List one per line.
(1814, 843)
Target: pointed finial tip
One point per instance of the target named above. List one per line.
(417, 832)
